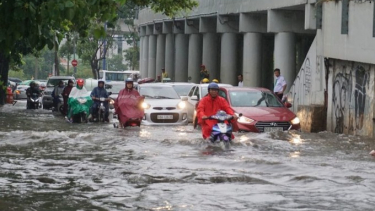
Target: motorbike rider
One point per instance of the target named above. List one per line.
(57, 91)
(126, 101)
(33, 89)
(97, 93)
(210, 105)
(66, 93)
(76, 92)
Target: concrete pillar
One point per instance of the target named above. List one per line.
(181, 58)
(252, 59)
(285, 56)
(210, 54)
(228, 66)
(152, 56)
(144, 65)
(140, 54)
(160, 54)
(169, 55)
(195, 57)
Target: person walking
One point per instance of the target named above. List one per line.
(280, 84)
(240, 80)
(163, 74)
(204, 73)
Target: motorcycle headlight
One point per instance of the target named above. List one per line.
(111, 101)
(145, 105)
(295, 121)
(245, 120)
(181, 105)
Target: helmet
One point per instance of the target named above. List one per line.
(215, 81)
(213, 86)
(80, 82)
(101, 81)
(70, 81)
(130, 80)
(205, 80)
(32, 84)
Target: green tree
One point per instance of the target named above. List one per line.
(115, 63)
(27, 26)
(132, 57)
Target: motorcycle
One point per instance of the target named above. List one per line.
(80, 109)
(222, 130)
(33, 101)
(129, 111)
(100, 116)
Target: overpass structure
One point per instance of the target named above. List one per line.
(324, 48)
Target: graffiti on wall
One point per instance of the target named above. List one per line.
(349, 97)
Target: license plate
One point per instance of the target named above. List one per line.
(272, 129)
(165, 117)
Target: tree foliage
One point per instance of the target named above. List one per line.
(29, 25)
(132, 56)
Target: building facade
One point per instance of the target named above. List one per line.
(325, 50)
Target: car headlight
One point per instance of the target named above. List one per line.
(244, 119)
(145, 105)
(181, 105)
(295, 121)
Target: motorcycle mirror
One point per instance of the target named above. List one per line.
(109, 93)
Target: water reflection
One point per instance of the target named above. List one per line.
(47, 164)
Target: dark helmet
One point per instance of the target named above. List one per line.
(213, 86)
(70, 81)
(32, 84)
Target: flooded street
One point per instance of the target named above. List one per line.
(47, 164)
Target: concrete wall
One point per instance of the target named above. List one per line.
(224, 7)
(359, 44)
(308, 88)
(351, 98)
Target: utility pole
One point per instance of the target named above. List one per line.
(105, 47)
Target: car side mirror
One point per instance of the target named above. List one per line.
(194, 97)
(288, 105)
(184, 98)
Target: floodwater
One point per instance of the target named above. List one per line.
(47, 164)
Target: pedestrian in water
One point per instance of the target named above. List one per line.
(240, 80)
(204, 73)
(57, 91)
(65, 95)
(280, 84)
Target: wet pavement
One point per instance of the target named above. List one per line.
(48, 164)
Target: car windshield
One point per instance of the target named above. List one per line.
(55, 82)
(154, 92)
(114, 88)
(253, 99)
(183, 89)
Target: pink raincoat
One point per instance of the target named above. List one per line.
(128, 105)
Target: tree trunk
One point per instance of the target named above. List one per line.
(94, 67)
(57, 71)
(4, 69)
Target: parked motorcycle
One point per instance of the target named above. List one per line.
(33, 102)
(222, 130)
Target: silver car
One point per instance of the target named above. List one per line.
(162, 105)
(20, 92)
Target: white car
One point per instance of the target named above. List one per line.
(196, 93)
(162, 105)
(182, 88)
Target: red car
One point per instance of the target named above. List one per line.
(261, 110)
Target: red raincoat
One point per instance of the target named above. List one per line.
(209, 106)
(128, 105)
